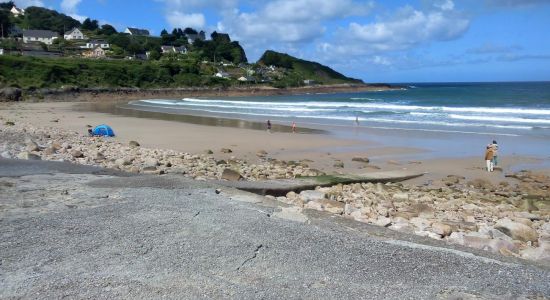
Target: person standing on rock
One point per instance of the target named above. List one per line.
(489, 154)
(269, 126)
(494, 145)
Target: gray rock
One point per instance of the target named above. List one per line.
(133, 144)
(226, 150)
(310, 195)
(10, 94)
(77, 153)
(517, 230)
(32, 146)
(28, 156)
(150, 162)
(231, 175)
(361, 159)
(400, 197)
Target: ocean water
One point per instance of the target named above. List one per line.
(506, 109)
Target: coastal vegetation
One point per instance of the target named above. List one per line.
(180, 58)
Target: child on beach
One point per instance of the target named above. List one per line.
(489, 154)
(494, 145)
(269, 126)
(293, 127)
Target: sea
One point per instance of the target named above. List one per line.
(504, 110)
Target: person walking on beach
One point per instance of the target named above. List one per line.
(356, 120)
(293, 127)
(489, 154)
(494, 145)
(269, 126)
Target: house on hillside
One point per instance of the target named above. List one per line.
(44, 36)
(192, 37)
(74, 34)
(181, 50)
(96, 52)
(136, 31)
(172, 49)
(1, 51)
(167, 49)
(17, 11)
(222, 74)
(92, 44)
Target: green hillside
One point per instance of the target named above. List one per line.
(304, 70)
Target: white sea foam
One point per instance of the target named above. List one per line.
(500, 119)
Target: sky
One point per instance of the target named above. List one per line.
(377, 41)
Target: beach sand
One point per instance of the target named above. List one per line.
(321, 150)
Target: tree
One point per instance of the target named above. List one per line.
(43, 18)
(107, 29)
(154, 55)
(190, 30)
(5, 23)
(89, 24)
(7, 5)
(163, 32)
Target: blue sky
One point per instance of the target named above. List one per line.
(377, 41)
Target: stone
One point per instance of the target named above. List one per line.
(441, 229)
(423, 210)
(98, 156)
(310, 195)
(10, 94)
(76, 153)
(6, 154)
(48, 151)
(332, 206)
(480, 183)
(420, 223)
(315, 205)
(56, 145)
(230, 175)
(400, 197)
(151, 162)
(32, 146)
(9, 123)
(123, 162)
(28, 156)
(133, 144)
(393, 162)
(361, 159)
(338, 164)
(261, 153)
(517, 231)
(226, 150)
(383, 221)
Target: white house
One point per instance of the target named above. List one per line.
(96, 52)
(222, 74)
(96, 43)
(17, 11)
(44, 36)
(74, 34)
(167, 49)
(136, 31)
(1, 51)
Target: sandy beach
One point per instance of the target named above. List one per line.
(322, 150)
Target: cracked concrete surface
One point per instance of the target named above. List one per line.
(79, 233)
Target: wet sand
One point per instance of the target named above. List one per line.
(319, 146)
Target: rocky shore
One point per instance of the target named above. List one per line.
(507, 218)
(110, 94)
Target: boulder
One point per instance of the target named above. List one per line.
(10, 94)
(226, 150)
(32, 146)
(441, 229)
(338, 164)
(383, 221)
(517, 230)
(332, 206)
(361, 159)
(28, 156)
(123, 162)
(480, 183)
(9, 123)
(261, 153)
(307, 196)
(231, 175)
(76, 153)
(150, 162)
(400, 197)
(133, 144)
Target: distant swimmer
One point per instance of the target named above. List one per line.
(293, 127)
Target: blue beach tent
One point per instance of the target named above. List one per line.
(103, 130)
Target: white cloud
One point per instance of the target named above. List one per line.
(178, 19)
(516, 3)
(27, 3)
(406, 28)
(70, 7)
